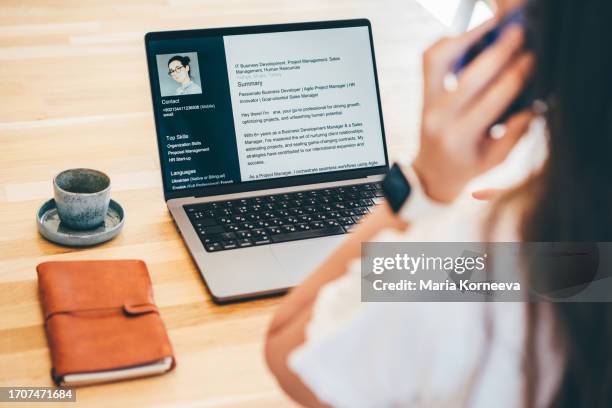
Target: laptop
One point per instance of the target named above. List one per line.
(271, 146)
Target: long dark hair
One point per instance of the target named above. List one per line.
(571, 199)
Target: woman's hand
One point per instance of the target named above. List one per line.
(455, 141)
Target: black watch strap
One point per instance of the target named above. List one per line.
(396, 188)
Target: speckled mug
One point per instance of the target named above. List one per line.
(82, 197)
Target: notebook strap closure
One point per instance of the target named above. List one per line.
(139, 309)
(128, 309)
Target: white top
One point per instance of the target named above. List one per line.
(423, 354)
(190, 88)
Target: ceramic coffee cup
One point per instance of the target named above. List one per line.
(82, 197)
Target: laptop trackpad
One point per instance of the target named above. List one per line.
(300, 258)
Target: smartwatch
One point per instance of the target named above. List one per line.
(405, 195)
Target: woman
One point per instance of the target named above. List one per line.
(327, 348)
(179, 70)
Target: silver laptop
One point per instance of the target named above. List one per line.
(271, 146)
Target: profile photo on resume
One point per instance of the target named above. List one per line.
(179, 74)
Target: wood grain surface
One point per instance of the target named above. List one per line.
(75, 93)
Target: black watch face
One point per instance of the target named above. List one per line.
(396, 188)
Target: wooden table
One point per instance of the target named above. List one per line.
(75, 94)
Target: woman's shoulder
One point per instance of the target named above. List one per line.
(411, 346)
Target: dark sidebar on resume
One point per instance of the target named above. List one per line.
(197, 136)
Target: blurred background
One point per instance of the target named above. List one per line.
(82, 64)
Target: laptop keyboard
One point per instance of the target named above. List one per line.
(224, 225)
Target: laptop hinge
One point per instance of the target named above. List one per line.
(304, 186)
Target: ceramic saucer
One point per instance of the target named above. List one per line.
(50, 227)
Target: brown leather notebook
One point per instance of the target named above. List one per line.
(101, 321)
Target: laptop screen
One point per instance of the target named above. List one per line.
(263, 107)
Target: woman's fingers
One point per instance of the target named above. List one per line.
(487, 66)
(492, 103)
(495, 151)
(460, 44)
(439, 58)
(479, 74)
(488, 194)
